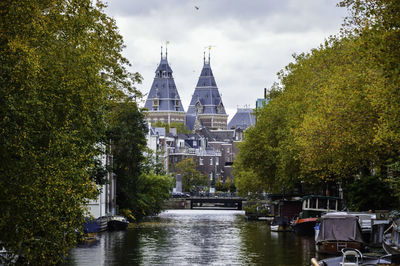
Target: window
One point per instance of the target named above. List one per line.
(194, 143)
(332, 204)
(201, 161)
(211, 161)
(322, 204)
(155, 102)
(216, 160)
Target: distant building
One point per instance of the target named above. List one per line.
(262, 101)
(212, 143)
(206, 108)
(242, 119)
(163, 102)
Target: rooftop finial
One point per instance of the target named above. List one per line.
(204, 57)
(166, 49)
(161, 52)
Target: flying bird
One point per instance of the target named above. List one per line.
(197, 8)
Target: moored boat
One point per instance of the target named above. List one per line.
(391, 239)
(117, 223)
(353, 257)
(337, 232)
(313, 206)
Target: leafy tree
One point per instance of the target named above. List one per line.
(142, 185)
(153, 189)
(370, 193)
(128, 137)
(54, 104)
(192, 179)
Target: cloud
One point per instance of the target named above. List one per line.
(253, 40)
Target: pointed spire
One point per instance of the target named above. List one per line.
(166, 52)
(204, 57)
(209, 52)
(161, 52)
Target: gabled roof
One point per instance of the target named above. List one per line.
(206, 94)
(163, 91)
(242, 119)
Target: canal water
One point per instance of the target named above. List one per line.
(196, 237)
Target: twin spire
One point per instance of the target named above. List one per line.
(166, 52)
(204, 54)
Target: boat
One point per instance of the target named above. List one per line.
(117, 223)
(90, 227)
(353, 257)
(284, 211)
(313, 206)
(391, 239)
(337, 232)
(280, 225)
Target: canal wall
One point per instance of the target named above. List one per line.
(173, 204)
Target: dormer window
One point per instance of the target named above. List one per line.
(220, 108)
(155, 102)
(199, 108)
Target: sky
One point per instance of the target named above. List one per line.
(251, 40)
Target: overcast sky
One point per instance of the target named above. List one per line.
(251, 40)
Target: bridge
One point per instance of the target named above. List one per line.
(224, 202)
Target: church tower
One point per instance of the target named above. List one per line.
(206, 109)
(163, 102)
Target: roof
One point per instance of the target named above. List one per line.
(242, 119)
(163, 90)
(218, 135)
(206, 95)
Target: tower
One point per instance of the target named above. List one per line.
(206, 108)
(163, 102)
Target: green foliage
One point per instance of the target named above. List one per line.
(370, 193)
(153, 162)
(128, 137)
(53, 109)
(192, 179)
(336, 112)
(141, 184)
(227, 186)
(152, 189)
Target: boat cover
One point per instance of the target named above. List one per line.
(339, 228)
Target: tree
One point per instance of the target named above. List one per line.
(54, 104)
(370, 193)
(142, 185)
(192, 179)
(127, 133)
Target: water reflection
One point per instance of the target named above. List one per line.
(196, 237)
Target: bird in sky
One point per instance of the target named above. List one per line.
(197, 8)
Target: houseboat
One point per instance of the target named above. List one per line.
(313, 206)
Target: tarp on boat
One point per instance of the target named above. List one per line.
(339, 228)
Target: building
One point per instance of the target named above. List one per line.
(163, 103)
(206, 108)
(242, 119)
(212, 143)
(105, 204)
